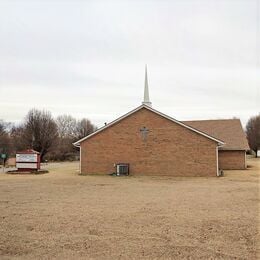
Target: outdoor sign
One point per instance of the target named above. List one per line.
(3, 155)
(30, 158)
(27, 159)
(26, 165)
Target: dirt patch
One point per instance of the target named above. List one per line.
(62, 215)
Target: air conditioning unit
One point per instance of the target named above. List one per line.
(122, 169)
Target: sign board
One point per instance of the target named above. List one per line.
(30, 158)
(26, 165)
(3, 155)
(258, 153)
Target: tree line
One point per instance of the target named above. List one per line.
(52, 137)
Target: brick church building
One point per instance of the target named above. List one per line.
(152, 143)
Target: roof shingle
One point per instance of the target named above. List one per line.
(228, 130)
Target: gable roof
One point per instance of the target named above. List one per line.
(220, 142)
(228, 130)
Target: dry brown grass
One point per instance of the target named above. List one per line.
(66, 216)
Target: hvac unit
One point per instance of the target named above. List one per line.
(122, 169)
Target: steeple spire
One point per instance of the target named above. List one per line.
(146, 90)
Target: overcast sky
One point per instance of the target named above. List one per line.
(87, 58)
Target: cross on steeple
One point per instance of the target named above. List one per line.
(146, 90)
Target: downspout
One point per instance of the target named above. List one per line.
(245, 160)
(218, 172)
(79, 159)
(78, 145)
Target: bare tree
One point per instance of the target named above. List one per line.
(2, 128)
(52, 138)
(253, 133)
(67, 126)
(69, 131)
(16, 136)
(84, 128)
(40, 131)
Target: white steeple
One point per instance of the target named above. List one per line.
(146, 90)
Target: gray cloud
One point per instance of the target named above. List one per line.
(86, 58)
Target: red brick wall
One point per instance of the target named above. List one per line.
(231, 160)
(170, 149)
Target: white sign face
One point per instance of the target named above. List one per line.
(26, 165)
(26, 157)
(258, 153)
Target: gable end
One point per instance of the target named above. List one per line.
(219, 142)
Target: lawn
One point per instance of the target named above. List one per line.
(62, 215)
